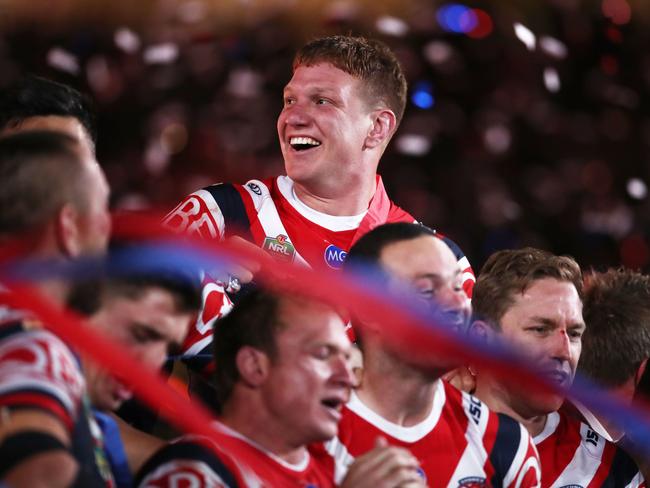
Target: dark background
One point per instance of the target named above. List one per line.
(545, 145)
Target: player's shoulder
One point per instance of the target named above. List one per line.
(476, 412)
(38, 370)
(191, 459)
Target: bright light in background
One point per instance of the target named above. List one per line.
(618, 11)
(413, 144)
(553, 47)
(192, 11)
(552, 80)
(437, 52)
(127, 40)
(422, 95)
(497, 139)
(637, 189)
(525, 35)
(161, 53)
(460, 19)
(63, 60)
(392, 26)
(484, 24)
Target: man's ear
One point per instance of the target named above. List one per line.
(383, 126)
(481, 330)
(66, 230)
(253, 365)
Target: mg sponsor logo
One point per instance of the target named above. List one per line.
(334, 256)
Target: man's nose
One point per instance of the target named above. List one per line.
(561, 348)
(296, 115)
(343, 373)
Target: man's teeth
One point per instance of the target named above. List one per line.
(303, 141)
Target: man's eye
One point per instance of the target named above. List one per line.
(428, 293)
(322, 101)
(576, 334)
(140, 336)
(289, 101)
(322, 352)
(538, 329)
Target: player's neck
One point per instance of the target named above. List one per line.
(403, 399)
(498, 402)
(625, 393)
(339, 200)
(254, 425)
(55, 291)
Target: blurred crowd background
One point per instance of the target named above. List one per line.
(527, 122)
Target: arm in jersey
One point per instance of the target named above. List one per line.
(188, 462)
(41, 388)
(213, 213)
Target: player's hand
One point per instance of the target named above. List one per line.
(244, 270)
(384, 467)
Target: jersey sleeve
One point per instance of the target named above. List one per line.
(212, 213)
(199, 215)
(186, 464)
(215, 304)
(38, 371)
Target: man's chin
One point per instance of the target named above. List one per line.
(543, 404)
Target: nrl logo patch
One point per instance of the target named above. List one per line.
(280, 247)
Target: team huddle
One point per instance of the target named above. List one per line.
(303, 393)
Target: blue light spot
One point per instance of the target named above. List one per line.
(456, 18)
(422, 96)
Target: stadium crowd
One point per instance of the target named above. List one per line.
(304, 392)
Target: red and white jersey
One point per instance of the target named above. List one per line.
(461, 444)
(193, 460)
(572, 454)
(269, 214)
(39, 371)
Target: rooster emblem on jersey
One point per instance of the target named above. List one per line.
(473, 482)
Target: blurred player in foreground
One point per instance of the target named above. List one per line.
(282, 379)
(456, 439)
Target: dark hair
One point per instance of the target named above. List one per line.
(617, 313)
(369, 60)
(40, 171)
(369, 247)
(509, 272)
(34, 96)
(253, 322)
(88, 297)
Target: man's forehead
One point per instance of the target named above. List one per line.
(56, 123)
(307, 320)
(426, 255)
(548, 296)
(323, 75)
